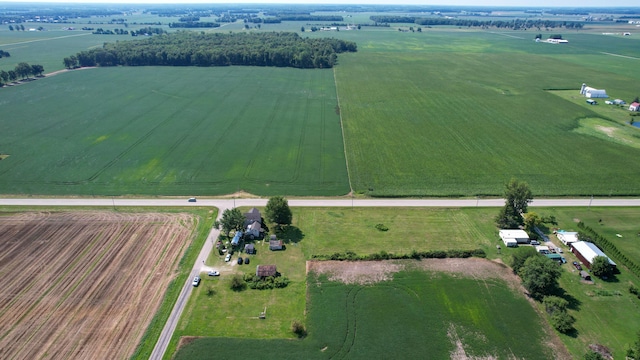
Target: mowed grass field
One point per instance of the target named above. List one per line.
(415, 313)
(174, 131)
(457, 112)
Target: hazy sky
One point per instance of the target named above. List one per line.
(532, 3)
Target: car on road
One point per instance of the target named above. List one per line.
(192, 199)
(196, 281)
(246, 261)
(577, 266)
(213, 273)
(239, 261)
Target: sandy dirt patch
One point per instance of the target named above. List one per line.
(84, 285)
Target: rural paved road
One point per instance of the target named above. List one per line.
(222, 204)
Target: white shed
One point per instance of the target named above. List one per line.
(512, 237)
(567, 237)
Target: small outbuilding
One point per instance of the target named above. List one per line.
(567, 237)
(276, 245)
(619, 102)
(635, 106)
(513, 237)
(266, 270)
(585, 275)
(249, 249)
(586, 252)
(542, 249)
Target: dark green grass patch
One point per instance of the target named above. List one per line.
(416, 314)
(174, 131)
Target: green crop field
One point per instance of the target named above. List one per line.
(415, 314)
(447, 112)
(173, 131)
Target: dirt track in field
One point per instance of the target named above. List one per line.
(84, 285)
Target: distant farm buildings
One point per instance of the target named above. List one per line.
(634, 106)
(586, 252)
(590, 92)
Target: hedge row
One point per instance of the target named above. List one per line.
(383, 255)
(588, 234)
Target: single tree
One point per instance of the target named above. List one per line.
(232, 219)
(562, 321)
(10, 28)
(517, 198)
(539, 276)
(4, 76)
(554, 304)
(23, 70)
(302, 29)
(277, 211)
(601, 267)
(237, 283)
(531, 221)
(13, 75)
(37, 69)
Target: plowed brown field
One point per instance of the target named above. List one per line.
(84, 285)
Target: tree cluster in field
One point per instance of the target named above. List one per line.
(4, 54)
(186, 48)
(193, 25)
(417, 255)
(516, 24)
(539, 276)
(21, 71)
(101, 31)
(266, 282)
(588, 234)
(633, 351)
(16, 28)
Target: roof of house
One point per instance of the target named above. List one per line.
(513, 234)
(634, 104)
(249, 247)
(567, 236)
(253, 215)
(589, 251)
(266, 270)
(255, 226)
(275, 243)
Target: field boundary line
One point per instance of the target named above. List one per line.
(618, 55)
(344, 142)
(47, 39)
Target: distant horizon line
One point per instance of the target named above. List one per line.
(285, 2)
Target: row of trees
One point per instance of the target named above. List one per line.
(500, 24)
(21, 71)
(16, 28)
(186, 48)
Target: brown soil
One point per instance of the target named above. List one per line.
(84, 285)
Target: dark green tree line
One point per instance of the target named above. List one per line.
(186, 48)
